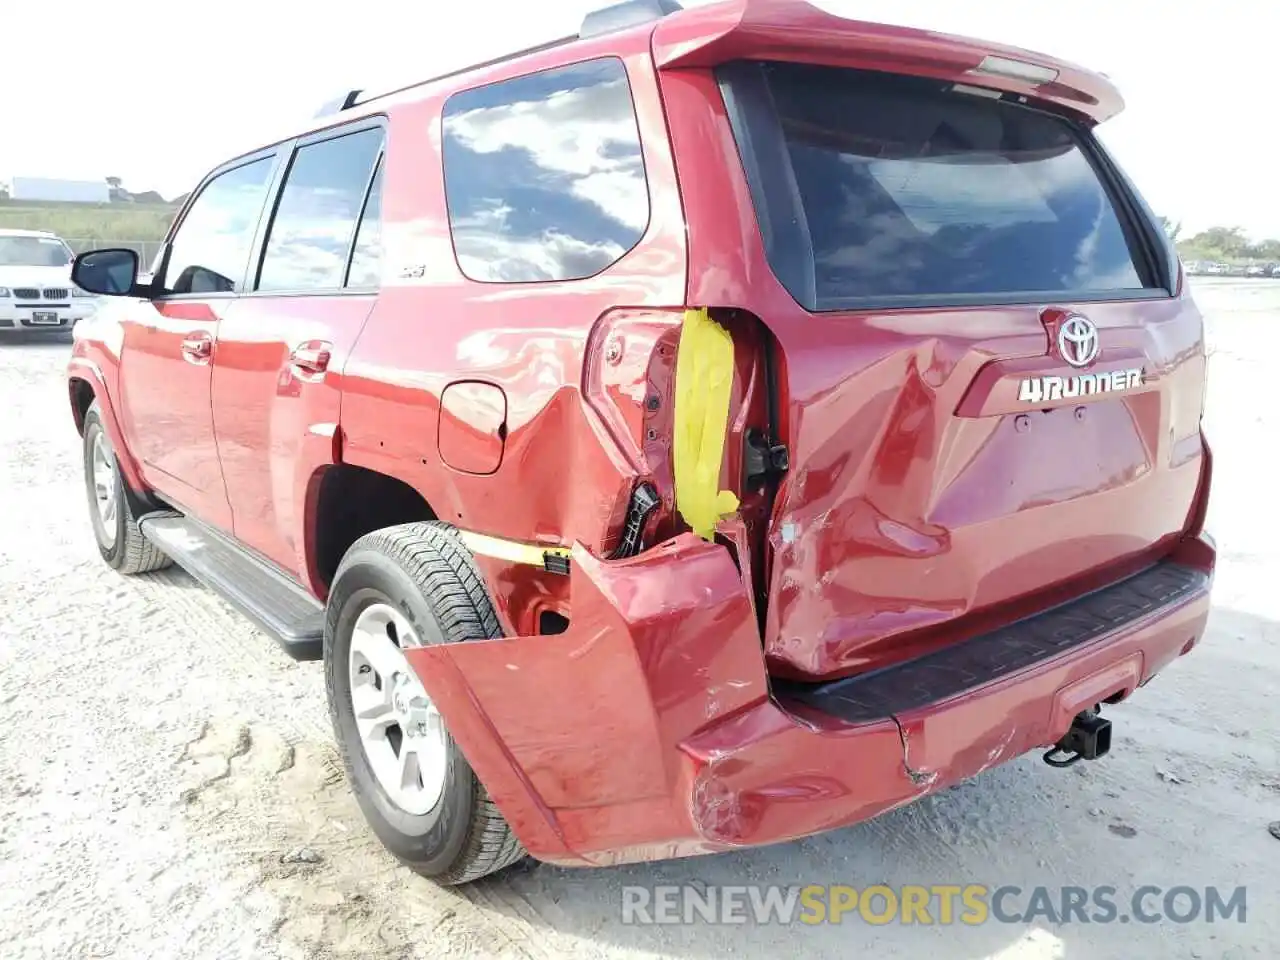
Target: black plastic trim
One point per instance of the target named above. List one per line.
(780, 214)
(1161, 249)
(310, 292)
(554, 563)
(259, 589)
(965, 666)
(1030, 298)
(644, 500)
(338, 104)
(379, 162)
(1137, 230)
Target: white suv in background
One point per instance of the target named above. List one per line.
(36, 292)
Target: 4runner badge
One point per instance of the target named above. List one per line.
(1040, 389)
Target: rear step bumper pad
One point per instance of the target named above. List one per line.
(281, 607)
(661, 739)
(947, 673)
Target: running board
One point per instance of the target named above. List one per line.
(277, 604)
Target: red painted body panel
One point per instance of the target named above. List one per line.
(913, 503)
(275, 420)
(473, 427)
(96, 362)
(528, 340)
(164, 404)
(787, 30)
(671, 746)
(924, 503)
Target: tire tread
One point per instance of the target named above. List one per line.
(435, 557)
(140, 554)
(136, 553)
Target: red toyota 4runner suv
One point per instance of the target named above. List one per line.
(713, 428)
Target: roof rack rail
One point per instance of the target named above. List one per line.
(620, 16)
(527, 51)
(629, 13)
(338, 104)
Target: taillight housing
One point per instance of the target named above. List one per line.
(628, 371)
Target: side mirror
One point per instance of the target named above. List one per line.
(112, 273)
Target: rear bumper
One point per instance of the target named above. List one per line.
(649, 730)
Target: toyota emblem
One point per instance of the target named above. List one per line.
(1078, 340)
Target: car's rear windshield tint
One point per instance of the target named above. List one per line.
(907, 189)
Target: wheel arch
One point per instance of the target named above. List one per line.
(344, 502)
(85, 384)
(82, 397)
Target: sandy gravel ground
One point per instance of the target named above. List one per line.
(159, 759)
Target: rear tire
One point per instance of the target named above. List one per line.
(115, 528)
(420, 576)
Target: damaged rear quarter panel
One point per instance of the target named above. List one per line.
(659, 646)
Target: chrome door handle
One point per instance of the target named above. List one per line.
(197, 349)
(311, 357)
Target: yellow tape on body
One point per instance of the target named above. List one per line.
(704, 380)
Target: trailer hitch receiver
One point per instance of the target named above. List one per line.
(1088, 739)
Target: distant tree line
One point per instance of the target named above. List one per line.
(118, 193)
(1221, 243)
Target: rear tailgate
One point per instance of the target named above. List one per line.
(989, 391)
(923, 492)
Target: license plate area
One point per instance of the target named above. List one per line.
(44, 318)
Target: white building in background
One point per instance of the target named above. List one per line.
(67, 191)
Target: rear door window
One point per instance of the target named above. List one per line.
(311, 234)
(910, 191)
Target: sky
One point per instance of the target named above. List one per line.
(159, 91)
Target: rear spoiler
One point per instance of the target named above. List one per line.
(795, 30)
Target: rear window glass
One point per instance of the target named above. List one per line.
(912, 190)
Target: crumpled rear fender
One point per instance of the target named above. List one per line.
(659, 646)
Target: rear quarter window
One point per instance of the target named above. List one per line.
(543, 174)
(907, 191)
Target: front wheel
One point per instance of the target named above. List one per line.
(120, 541)
(397, 588)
